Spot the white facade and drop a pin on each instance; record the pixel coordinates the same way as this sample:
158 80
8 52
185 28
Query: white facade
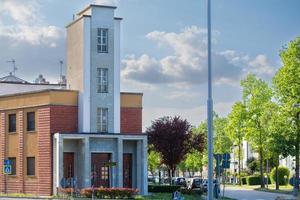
84 58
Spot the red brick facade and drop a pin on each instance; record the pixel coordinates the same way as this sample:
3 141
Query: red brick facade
131 120
51 119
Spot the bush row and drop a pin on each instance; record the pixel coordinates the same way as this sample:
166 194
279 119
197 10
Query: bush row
163 188
255 180
104 193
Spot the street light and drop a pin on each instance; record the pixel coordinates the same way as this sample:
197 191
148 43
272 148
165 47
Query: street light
209 108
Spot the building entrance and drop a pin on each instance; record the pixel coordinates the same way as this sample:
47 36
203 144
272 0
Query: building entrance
127 170
100 170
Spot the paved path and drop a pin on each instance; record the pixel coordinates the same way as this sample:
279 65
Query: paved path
249 194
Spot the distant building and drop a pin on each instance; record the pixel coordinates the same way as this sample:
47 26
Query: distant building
86 130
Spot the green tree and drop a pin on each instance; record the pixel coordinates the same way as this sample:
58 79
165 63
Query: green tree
256 95
222 142
286 83
234 129
154 161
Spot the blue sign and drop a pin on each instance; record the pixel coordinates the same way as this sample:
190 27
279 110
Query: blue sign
7 162
7 169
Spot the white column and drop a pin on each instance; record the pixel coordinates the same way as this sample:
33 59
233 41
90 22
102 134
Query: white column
139 166
117 75
120 163
59 159
87 163
144 167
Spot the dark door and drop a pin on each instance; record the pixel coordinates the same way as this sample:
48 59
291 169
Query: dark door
127 170
68 165
100 169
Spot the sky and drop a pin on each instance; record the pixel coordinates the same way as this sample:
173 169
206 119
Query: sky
163 47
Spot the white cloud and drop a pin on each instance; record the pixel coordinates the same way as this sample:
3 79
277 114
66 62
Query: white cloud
27 24
187 63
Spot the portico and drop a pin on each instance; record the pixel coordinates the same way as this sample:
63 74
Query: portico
102 160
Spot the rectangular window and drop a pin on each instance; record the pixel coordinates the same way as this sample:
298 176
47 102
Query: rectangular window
30 166
12 119
102 80
30 121
102 40
13 165
102 120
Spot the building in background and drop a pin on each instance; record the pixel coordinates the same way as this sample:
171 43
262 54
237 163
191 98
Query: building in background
86 130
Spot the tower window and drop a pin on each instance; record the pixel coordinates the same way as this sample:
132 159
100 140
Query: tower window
102 40
102 120
102 80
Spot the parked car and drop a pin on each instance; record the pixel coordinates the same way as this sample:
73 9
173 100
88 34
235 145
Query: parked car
179 181
196 183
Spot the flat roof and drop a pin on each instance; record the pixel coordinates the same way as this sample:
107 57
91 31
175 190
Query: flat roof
37 91
95 5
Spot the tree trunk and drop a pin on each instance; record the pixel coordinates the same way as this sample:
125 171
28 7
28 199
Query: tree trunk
170 176
239 150
297 152
277 175
262 181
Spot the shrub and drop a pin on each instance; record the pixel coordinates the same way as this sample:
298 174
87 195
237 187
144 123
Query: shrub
67 191
253 180
163 188
282 172
244 181
191 191
111 193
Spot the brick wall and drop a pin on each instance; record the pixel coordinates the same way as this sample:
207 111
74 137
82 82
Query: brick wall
2 150
64 119
131 120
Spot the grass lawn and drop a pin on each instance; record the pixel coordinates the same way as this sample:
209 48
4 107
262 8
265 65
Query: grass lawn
163 196
286 189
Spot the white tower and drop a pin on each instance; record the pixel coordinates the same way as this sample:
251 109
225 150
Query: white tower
93 68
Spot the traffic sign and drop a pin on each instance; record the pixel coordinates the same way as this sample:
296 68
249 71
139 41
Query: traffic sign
7 169
7 162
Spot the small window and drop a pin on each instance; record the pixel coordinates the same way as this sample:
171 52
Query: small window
102 80
102 40
30 166
30 121
102 120
13 165
12 123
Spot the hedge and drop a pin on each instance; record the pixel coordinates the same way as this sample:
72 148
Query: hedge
244 180
109 193
255 180
282 172
163 188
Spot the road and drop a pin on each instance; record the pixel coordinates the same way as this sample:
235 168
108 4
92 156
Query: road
249 194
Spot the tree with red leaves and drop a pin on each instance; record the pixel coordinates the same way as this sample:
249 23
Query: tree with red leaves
172 137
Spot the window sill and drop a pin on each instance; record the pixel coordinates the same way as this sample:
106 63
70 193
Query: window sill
31 176
31 132
12 176
12 133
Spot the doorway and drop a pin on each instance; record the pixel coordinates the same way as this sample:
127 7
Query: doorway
127 170
100 170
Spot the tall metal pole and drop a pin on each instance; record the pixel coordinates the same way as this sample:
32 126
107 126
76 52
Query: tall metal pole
209 108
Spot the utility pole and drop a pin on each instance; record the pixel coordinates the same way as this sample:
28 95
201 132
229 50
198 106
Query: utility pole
209 108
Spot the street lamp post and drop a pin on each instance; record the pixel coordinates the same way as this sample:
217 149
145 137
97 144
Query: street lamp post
209 108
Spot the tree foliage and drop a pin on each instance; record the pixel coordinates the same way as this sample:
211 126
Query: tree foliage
257 96
286 83
172 137
154 161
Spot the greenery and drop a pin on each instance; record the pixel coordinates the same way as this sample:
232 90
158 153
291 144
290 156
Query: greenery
163 188
283 175
234 129
286 85
154 161
253 180
244 180
252 164
164 196
109 193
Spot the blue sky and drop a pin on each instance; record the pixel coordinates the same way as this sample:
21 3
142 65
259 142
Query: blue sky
163 46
